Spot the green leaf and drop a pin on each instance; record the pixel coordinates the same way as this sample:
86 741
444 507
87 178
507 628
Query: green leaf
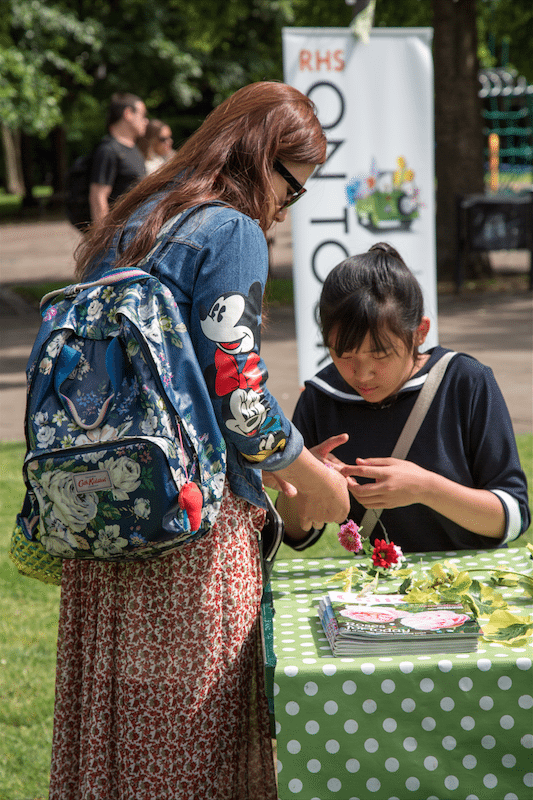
503 625
462 582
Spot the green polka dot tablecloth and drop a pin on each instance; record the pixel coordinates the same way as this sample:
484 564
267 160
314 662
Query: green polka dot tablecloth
439 727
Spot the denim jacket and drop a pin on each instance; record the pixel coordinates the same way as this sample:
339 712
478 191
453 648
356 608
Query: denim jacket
215 262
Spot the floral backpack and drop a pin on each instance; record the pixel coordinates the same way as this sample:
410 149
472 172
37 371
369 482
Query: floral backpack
120 463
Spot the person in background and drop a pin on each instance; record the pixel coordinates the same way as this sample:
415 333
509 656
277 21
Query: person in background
160 671
156 145
461 486
117 163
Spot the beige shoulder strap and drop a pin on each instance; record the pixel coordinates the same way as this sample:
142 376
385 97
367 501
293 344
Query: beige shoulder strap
411 428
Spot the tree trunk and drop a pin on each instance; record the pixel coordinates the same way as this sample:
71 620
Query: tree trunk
459 159
14 181
26 149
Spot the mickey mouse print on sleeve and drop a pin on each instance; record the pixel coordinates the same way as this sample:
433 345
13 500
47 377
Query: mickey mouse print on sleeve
237 376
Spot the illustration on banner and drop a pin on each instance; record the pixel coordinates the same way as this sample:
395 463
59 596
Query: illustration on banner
385 199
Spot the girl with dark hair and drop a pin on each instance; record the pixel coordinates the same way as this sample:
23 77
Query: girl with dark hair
461 485
160 690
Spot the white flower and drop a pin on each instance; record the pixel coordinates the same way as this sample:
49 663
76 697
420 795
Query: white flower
97 435
72 509
401 557
125 476
141 508
166 323
45 366
59 417
45 436
54 346
94 311
94 457
153 330
149 423
41 418
109 542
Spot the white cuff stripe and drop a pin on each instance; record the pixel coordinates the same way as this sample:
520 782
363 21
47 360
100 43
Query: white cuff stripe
514 518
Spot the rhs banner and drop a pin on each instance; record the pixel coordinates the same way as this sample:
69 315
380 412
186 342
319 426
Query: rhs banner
375 103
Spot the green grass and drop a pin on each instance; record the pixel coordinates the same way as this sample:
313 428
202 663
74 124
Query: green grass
28 635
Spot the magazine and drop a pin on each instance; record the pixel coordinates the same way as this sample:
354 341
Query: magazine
377 625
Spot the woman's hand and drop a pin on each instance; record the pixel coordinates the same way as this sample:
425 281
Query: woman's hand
323 450
322 495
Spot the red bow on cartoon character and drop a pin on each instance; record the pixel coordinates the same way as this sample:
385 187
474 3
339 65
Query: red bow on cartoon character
229 378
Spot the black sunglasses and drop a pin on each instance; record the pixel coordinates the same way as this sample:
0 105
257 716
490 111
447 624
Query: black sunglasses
295 185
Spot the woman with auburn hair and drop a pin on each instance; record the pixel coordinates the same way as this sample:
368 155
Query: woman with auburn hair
160 688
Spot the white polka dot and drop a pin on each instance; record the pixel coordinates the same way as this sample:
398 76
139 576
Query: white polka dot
523 663
389 725
449 743
332 746
525 701
428 723
295 786
510 796
334 785
406 667
369 706
373 785
293 746
408 705
528 779
465 684
447 704
484 664
468 723
371 745
331 707
527 741
509 761
488 742
507 722
490 780
312 727
351 726
431 763
469 797
388 686
314 765
486 702
310 688
505 683
392 764
349 687
353 765
445 665
426 685
292 708
278 727
367 668
469 762
309 660
412 784
410 744
451 782
329 669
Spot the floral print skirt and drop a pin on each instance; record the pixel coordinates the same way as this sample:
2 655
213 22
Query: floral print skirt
159 689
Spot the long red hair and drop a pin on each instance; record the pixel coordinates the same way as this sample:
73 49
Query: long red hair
229 158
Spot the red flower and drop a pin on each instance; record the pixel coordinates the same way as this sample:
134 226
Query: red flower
349 536
384 554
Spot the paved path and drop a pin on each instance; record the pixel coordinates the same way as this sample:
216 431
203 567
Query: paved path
495 328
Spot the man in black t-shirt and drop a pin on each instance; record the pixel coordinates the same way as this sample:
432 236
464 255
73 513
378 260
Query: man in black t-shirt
117 162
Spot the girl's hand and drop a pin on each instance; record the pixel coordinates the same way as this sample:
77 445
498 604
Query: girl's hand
277 483
396 482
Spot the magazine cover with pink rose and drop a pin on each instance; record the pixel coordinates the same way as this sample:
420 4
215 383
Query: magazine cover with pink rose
386 624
